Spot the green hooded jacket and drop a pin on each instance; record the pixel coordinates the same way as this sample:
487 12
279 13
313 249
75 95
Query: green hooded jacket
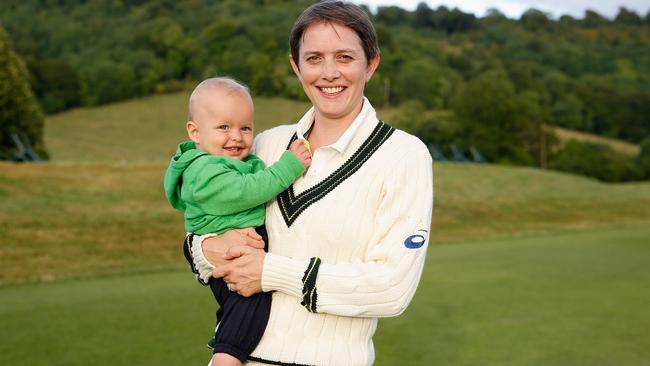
218 193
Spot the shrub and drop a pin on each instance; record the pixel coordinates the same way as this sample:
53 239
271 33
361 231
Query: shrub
595 160
415 119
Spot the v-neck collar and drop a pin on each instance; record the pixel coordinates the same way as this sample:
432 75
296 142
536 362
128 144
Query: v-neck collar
292 205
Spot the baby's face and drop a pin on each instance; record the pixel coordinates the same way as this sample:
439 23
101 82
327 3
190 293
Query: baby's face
224 122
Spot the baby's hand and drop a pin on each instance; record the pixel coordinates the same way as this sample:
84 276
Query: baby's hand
251 233
303 154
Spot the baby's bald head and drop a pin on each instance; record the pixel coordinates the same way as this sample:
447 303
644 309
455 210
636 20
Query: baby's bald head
202 93
221 118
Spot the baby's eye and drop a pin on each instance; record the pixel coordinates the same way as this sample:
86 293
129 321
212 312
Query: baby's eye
223 127
247 129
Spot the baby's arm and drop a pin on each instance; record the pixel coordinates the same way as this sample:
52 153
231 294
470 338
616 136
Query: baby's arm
222 190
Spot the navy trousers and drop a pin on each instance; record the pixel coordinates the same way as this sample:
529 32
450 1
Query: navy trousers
240 320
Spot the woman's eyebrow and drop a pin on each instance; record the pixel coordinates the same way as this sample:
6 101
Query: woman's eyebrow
343 50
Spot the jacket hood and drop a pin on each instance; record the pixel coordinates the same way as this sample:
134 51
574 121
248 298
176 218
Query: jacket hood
184 156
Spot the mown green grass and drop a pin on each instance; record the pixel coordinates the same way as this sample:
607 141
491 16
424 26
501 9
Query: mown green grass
570 299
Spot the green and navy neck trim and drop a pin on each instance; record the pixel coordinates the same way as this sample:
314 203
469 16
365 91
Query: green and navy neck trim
292 206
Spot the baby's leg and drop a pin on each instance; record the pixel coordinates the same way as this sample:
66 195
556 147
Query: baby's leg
224 359
241 320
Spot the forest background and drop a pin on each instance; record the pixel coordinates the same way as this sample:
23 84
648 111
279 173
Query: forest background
496 84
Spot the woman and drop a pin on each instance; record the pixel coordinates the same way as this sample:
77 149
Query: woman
347 241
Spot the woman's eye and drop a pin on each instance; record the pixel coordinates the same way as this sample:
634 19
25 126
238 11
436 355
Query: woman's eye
313 58
345 57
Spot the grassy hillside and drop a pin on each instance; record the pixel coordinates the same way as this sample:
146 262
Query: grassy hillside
141 130
148 129
99 208
80 219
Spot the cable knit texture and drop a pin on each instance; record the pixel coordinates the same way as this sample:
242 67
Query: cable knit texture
370 233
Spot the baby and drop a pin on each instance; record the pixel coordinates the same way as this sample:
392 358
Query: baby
220 186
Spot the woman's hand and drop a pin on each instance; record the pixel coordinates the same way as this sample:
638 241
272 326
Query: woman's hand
243 270
216 247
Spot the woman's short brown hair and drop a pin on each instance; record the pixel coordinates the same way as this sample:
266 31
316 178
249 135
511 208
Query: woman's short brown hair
340 12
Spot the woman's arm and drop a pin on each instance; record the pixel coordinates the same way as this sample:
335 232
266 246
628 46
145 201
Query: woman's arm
206 252
383 283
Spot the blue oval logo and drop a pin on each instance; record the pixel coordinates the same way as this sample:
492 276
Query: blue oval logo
415 241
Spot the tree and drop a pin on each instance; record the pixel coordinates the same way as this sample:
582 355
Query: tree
494 119
567 20
457 21
643 160
167 40
627 17
392 15
415 119
423 16
20 113
424 81
493 16
55 84
534 19
107 81
593 19
567 112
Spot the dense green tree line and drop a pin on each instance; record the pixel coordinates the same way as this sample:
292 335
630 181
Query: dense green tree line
502 79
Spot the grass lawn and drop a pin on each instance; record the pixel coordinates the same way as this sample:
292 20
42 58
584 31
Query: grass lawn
569 299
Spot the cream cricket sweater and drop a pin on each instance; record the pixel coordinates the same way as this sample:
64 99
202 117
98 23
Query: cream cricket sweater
347 242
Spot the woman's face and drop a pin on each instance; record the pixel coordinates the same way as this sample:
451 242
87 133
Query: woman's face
333 70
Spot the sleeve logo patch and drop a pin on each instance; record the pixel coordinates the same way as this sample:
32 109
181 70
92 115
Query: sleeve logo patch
416 240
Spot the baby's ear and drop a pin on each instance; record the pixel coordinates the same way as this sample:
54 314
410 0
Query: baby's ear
192 131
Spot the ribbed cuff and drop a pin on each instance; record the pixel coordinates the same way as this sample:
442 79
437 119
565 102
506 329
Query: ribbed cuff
283 274
201 264
309 291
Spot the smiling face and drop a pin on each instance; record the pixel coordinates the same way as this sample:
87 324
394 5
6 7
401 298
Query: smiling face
222 122
333 71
